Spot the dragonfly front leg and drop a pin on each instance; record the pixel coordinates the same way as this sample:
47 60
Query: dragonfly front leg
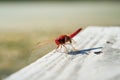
58 49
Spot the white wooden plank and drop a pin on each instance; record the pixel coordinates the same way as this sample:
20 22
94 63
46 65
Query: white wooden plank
55 66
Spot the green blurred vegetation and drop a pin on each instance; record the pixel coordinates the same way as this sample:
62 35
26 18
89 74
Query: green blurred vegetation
15 50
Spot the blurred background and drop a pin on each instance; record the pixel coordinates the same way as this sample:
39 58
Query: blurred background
23 23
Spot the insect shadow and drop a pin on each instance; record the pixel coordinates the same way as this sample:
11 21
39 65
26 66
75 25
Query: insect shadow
85 51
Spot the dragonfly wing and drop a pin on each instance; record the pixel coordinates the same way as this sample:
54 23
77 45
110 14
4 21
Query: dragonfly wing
41 49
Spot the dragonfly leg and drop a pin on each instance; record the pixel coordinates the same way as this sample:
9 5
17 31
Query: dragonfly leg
74 49
73 41
66 48
71 44
58 47
56 50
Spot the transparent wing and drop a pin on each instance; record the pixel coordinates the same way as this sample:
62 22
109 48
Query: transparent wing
40 49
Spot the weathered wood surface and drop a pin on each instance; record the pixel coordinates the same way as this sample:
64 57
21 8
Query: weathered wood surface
59 66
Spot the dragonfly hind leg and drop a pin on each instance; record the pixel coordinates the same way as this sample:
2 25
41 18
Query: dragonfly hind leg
66 48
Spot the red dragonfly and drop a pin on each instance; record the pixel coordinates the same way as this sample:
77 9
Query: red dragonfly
62 40
44 47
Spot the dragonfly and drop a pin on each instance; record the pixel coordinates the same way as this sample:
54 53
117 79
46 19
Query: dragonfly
61 41
41 48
